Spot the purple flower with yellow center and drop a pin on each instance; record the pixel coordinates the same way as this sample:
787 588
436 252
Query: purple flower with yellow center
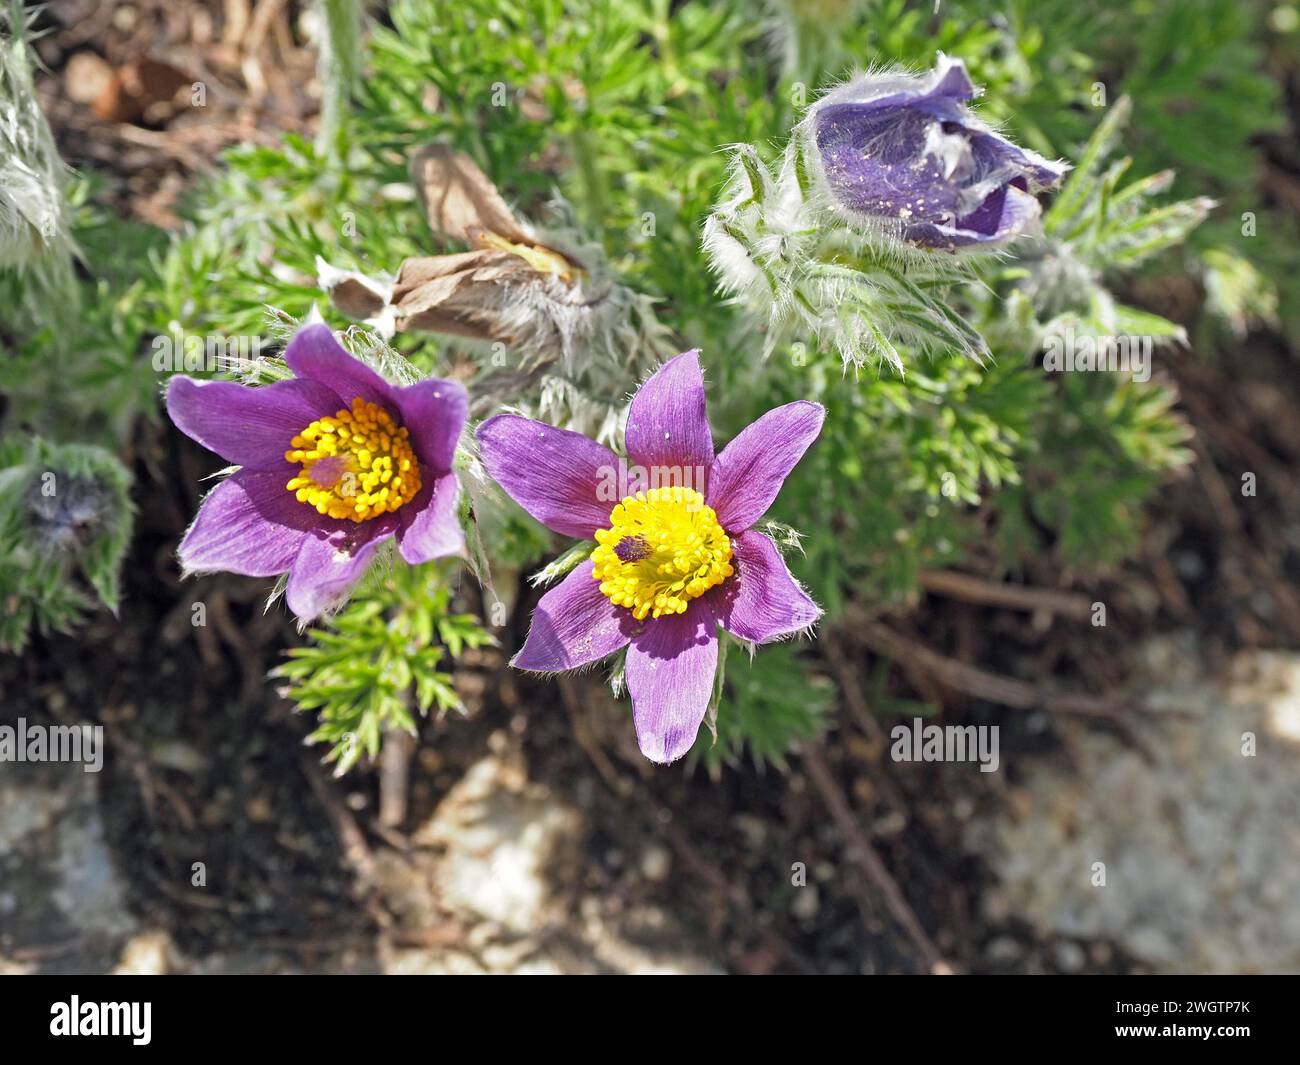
904 156
676 556
334 462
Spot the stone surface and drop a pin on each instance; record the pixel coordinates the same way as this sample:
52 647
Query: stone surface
499 832
1201 850
497 849
62 901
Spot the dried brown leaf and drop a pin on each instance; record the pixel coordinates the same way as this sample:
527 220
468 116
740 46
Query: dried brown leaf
460 201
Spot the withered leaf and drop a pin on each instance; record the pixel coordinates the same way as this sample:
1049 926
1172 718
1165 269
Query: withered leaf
357 299
454 293
460 200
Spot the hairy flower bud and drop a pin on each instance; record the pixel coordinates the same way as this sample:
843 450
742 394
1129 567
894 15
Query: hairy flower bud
35 236
67 520
901 156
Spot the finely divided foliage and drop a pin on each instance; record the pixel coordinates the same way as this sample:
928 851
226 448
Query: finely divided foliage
517 215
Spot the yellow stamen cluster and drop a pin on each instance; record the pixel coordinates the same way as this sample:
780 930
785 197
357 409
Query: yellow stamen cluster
356 465
663 548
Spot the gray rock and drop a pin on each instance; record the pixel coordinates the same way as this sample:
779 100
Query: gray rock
64 900
497 851
1201 851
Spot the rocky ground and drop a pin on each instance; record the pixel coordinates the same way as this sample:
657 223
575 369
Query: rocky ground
506 872
1200 851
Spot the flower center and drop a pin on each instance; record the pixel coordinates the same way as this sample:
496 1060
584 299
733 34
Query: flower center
663 548
356 465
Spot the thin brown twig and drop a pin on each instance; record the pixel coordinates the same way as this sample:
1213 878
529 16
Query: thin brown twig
971 589
732 896
854 698
263 17
570 697
983 684
1009 691
1217 492
352 841
395 776
151 786
38 952
199 899
860 711
356 851
860 851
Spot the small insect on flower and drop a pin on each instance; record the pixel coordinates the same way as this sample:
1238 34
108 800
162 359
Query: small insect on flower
673 560
902 157
335 461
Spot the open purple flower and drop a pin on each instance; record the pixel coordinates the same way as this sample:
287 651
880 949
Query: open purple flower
334 462
676 555
903 155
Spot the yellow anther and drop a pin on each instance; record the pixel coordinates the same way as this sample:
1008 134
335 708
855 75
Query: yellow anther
663 548
348 463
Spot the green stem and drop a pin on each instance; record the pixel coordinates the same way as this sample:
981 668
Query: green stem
584 155
340 69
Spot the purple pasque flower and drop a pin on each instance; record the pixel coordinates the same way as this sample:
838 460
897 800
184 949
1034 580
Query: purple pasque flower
676 555
334 461
903 155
